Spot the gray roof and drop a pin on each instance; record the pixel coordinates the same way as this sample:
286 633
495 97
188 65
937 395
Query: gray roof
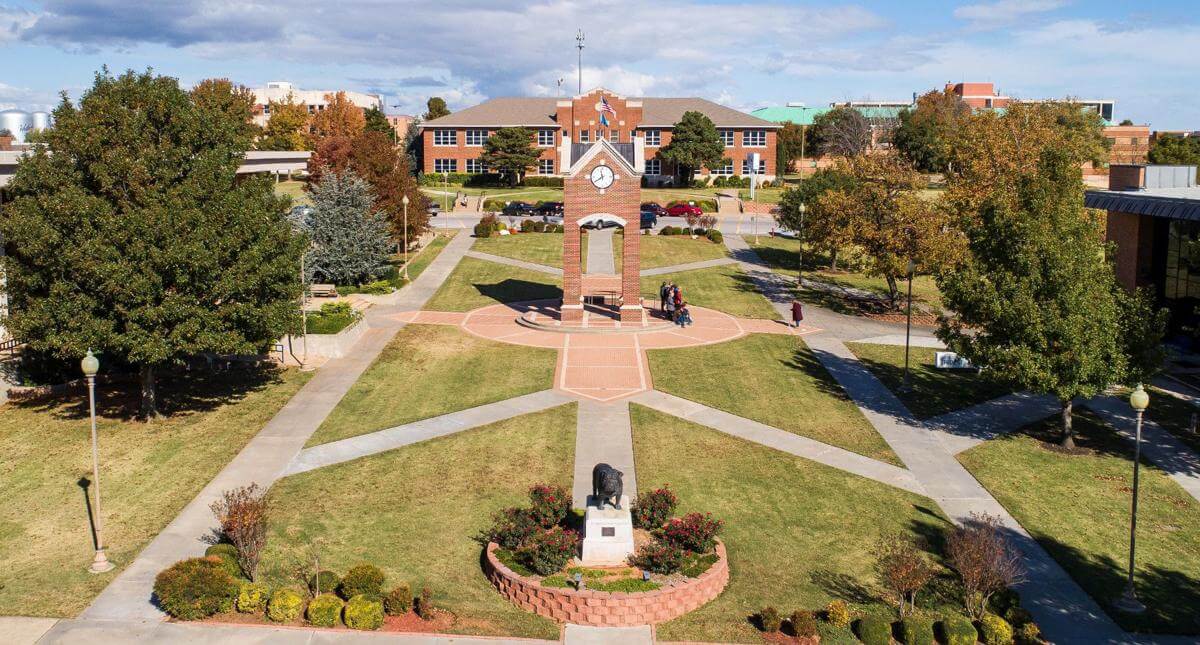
540 112
1171 203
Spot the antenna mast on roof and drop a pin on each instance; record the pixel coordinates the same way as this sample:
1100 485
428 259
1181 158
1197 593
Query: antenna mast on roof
579 44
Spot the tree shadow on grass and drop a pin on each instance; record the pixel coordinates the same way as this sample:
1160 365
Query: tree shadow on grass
844 587
804 360
935 392
180 392
513 290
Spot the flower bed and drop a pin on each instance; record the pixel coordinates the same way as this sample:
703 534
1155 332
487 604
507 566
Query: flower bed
608 608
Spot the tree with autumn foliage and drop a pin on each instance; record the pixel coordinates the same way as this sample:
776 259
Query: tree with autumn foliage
340 118
827 229
889 221
924 134
376 160
287 127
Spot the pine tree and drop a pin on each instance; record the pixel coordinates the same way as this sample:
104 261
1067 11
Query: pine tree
349 234
376 121
695 144
435 108
130 233
511 152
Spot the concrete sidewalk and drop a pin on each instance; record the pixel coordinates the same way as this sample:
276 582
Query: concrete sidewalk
263 460
964 429
603 435
600 252
92 632
688 266
1171 455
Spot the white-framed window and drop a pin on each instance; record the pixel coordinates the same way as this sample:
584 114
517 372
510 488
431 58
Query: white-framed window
654 166
476 166
445 137
445 165
754 138
762 166
653 137
545 138
545 166
614 136
726 137
726 169
476 137
267 108
585 136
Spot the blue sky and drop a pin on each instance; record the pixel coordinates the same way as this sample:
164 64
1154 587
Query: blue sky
744 54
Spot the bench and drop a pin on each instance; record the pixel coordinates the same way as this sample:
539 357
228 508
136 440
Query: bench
322 291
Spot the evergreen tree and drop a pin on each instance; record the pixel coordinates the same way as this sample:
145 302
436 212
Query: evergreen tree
511 152
1034 298
349 234
376 121
435 108
235 103
130 233
789 146
412 147
695 144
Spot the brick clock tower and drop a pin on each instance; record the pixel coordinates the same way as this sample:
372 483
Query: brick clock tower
602 186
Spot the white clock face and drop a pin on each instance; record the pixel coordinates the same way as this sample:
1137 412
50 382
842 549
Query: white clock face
602 176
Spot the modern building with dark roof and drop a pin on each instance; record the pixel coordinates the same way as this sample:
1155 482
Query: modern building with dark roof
454 143
1154 221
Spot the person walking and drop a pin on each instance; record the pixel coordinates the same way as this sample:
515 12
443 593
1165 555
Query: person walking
797 313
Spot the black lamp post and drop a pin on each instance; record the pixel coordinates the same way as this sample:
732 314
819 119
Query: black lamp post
907 386
1128 601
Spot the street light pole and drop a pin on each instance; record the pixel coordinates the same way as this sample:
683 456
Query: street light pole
800 262
90 365
1128 602
446 191
907 386
404 200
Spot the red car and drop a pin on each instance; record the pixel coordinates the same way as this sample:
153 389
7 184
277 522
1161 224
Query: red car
683 210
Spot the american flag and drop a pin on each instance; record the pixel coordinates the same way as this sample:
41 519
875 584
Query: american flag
605 110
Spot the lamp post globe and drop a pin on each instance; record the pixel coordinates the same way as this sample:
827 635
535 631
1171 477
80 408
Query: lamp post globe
89 365
1139 400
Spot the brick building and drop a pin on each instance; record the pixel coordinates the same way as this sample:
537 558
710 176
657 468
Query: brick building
454 143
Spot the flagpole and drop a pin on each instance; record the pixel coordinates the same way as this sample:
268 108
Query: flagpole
579 44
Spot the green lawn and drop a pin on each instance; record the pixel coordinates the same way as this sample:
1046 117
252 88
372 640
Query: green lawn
429 370
783 255
1077 507
414 511
149 472
771 379
479 283
539 248
668 250
934 391
798 533
660 195
295 190
1173 414
724 288
427 254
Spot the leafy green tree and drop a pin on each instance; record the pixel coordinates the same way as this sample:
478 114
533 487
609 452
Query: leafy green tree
234 102
827 229
131 233
789 146
695 144
841 132
511 152
377 122
287 127
923 136
1183 151
435 108
1036 303
349 234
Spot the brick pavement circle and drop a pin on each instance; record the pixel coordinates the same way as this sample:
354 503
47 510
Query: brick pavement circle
601 366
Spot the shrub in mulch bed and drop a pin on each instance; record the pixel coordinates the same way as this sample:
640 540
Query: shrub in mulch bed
651 509
195 588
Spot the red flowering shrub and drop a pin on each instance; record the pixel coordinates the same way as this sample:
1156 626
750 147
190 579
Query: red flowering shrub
549 505
658 557
548 551
650 510
693 532
511 527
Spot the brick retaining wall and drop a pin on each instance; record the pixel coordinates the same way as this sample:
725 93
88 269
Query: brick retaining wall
608 609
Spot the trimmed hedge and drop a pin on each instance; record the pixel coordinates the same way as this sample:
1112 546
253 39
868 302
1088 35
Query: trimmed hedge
873 630
398 601
364 579
804 624
958 630
324 611
252 597
917 630
715 236
195 588
658 556
995 630
539 181
838 614
285 606
770 620
228 556
363 612
328 580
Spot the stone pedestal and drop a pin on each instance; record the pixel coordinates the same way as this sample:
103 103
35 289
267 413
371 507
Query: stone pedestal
607 534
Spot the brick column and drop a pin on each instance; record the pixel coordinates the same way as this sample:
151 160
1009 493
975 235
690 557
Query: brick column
572 305
631 270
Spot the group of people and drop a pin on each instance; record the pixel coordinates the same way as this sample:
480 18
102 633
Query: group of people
671 301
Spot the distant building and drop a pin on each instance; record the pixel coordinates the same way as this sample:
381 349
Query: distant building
400 123
565 126
1154 221
314 100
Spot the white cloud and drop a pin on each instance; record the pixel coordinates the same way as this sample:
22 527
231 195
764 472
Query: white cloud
14 22
990 15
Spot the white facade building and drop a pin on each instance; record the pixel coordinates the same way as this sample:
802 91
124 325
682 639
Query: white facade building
315 100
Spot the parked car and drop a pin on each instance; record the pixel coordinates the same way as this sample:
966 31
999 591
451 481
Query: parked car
683 210
654 207
550 208
784 232
517 209
434 209
649 218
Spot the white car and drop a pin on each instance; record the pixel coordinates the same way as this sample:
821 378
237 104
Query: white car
784 232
